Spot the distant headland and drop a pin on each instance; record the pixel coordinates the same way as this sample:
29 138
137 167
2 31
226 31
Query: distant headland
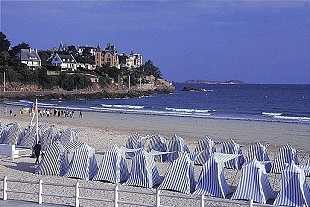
215 82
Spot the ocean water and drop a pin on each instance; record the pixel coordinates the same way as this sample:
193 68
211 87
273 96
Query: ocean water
277 103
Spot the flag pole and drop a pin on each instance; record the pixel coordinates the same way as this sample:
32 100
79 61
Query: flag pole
37 114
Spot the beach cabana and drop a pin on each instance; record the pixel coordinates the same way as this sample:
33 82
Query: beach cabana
259 152
143 172
231 147
54 161
294 188
207 147
285 155
177 145
133 142
156 143
12 134
49 136
180 176
68 135
113 167
254 184
30 137
83 164
211 180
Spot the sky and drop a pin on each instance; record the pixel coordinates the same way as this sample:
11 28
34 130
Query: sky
253 41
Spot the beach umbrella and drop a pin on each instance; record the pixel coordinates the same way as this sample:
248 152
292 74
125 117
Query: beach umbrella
83 164
207 147
231 147
54 161
259 152
254 184
211 180
180 176
294 188
143 172
176 144
285 155
12 134
113 167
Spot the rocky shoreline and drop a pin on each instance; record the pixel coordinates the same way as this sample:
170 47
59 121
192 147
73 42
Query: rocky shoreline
71 95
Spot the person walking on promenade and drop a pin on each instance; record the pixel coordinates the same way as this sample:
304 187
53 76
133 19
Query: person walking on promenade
37 152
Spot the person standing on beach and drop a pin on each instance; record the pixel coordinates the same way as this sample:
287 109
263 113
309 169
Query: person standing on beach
37 151
81 116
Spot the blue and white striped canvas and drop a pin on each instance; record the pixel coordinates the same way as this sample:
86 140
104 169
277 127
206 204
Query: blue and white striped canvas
180 176
286 155
231 147
143 172
68 135
133 142
294 188
211 181
113 167
175 144
259 152
49 136
254 183
207 147
156 143
30 137
53 161
12 134
83 164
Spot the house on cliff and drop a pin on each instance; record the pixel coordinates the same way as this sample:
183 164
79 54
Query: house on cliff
30 57
65 62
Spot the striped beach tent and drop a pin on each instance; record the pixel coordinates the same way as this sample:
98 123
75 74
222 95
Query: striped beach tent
294 188
68 135
285 155
113 167
211 180
49 136
175 144
143 172
259 152
156 143
180 176
83 164
30 137
207 147
254 184
133 142
54 161
12 134
231 147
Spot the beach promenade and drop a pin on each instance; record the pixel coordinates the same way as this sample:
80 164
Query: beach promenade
16 203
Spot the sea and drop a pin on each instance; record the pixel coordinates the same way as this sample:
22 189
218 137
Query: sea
253 102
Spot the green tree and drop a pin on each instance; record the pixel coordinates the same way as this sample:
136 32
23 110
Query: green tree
4 43
18 47
150 69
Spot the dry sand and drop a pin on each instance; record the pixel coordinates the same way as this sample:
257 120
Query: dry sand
102 130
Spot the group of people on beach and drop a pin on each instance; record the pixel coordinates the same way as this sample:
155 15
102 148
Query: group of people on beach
56 113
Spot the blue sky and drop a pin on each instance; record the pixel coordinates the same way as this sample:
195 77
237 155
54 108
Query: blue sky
253 41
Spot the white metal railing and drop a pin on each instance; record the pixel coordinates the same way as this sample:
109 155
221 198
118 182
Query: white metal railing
158 195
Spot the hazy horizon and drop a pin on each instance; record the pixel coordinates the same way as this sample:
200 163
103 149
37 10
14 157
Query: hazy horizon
253 41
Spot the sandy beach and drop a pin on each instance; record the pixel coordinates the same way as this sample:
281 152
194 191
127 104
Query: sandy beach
102 130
